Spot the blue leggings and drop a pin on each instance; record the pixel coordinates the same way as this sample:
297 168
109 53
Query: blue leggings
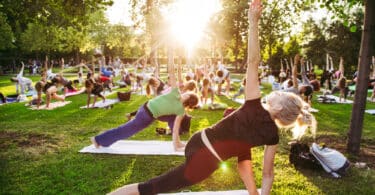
142 120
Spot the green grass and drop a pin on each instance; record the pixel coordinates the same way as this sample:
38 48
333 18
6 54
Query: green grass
39 151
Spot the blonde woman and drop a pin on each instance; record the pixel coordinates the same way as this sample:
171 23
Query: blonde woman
249 126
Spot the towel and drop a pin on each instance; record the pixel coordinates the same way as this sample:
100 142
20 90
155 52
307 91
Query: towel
101 104
336 99
135 147
230 192
52 105
372 111
75 92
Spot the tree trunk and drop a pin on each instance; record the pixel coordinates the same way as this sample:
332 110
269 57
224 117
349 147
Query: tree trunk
77 60
356 123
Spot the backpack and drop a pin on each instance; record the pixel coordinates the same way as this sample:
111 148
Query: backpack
301 157
123 96
331 160
326 100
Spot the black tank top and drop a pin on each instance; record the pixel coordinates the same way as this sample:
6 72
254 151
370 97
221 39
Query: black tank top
249 126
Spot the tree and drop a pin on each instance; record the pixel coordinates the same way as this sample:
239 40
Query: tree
276 23
344 43
360 98
57 24
365 53
230 29
315 41
150 15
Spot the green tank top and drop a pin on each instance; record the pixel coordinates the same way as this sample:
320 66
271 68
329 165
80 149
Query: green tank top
167 104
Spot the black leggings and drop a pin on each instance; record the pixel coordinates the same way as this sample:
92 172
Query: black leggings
200 163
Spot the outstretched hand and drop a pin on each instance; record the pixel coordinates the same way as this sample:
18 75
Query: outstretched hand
255 10
179 147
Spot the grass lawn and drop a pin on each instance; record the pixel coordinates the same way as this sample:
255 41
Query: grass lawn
39 151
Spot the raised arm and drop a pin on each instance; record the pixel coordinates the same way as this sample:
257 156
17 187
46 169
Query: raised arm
20 74
341 67
294 71
305 80
252 90
179 71
172 77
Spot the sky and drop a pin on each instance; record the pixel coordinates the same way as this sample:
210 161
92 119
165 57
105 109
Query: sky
119 12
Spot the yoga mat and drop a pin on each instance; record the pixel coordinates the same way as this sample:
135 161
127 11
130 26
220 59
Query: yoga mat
105 93
337 99
235 80
31 93
135 147
352 88
372 111
214 106
369 99
75 93
240 101
9 101
231 192
52 105
101 104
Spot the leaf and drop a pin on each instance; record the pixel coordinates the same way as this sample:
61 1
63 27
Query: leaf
353 29
346 23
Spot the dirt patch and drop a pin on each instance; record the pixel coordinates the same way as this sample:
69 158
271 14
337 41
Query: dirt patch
25 140
367 150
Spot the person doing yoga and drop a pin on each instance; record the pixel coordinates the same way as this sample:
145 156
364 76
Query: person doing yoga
158 108
49 87
249 126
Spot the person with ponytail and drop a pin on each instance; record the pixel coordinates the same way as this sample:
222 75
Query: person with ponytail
251 125
49 87
156 85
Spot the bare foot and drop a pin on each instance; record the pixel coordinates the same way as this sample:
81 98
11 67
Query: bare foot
128 116
93 141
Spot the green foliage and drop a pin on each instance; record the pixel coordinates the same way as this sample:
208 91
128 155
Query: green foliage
276 23
318 71
342 10
50 26
6 34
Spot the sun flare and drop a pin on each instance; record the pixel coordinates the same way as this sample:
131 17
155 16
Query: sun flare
188 18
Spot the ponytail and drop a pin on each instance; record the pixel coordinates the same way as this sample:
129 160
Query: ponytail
290 111
304 121
148 89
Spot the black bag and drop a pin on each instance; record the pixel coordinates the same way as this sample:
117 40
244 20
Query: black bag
123 96
301 157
